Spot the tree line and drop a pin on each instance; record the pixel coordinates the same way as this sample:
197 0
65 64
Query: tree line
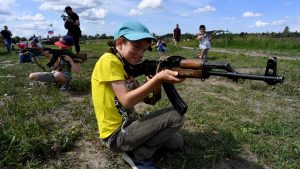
187 36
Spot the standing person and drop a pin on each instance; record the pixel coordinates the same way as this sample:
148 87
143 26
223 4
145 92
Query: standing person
114 98
204 42
6 34
62 68
176 35
73 26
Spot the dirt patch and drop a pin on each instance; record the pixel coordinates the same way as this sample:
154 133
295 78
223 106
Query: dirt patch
7 76
7 63
256 53
213 81
86 154
249 70
252 53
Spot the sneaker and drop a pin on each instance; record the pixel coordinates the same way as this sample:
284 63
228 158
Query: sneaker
64 88
144 164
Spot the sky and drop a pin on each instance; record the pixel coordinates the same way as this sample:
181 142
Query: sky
27 17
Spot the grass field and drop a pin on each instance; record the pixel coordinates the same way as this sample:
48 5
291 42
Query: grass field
245 124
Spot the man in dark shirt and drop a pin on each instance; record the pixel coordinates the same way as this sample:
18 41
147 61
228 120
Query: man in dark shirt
6 34
72 24
176 34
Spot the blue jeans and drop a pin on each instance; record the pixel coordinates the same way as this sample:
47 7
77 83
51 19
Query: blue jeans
153 131
7 43
25 57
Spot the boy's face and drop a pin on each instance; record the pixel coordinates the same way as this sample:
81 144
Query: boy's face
133 51
202 30
69 12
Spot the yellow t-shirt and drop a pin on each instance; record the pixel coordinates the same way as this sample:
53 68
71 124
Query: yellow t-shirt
107 69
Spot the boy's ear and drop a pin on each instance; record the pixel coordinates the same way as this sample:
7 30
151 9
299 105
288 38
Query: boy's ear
118 41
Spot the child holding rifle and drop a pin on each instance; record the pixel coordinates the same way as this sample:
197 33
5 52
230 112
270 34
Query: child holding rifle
114 98
63 67
204 39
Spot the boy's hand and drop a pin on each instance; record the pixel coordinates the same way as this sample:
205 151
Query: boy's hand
68 58
169 76
45 53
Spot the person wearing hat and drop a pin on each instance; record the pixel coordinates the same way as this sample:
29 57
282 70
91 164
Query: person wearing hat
114 98
63 67
27 56
34 43
73 26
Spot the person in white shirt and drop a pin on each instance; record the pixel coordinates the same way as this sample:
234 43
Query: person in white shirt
204 42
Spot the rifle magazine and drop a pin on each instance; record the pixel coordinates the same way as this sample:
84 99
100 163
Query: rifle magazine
175 98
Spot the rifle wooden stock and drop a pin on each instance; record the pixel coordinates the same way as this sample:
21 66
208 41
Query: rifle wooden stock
191 64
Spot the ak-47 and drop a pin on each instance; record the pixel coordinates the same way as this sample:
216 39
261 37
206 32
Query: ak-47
196 68
66 18
56 53
212 32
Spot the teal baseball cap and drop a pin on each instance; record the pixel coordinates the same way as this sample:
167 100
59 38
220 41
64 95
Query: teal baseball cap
133 30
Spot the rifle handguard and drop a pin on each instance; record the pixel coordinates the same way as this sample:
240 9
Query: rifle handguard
188 73
189 68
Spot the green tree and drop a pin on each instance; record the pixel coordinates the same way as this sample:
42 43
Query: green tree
286 31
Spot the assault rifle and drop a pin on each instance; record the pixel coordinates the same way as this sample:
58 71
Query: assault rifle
69 23
196 68
56 53
66 18
212 32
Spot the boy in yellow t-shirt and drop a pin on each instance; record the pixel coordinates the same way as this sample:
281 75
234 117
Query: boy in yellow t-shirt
113 99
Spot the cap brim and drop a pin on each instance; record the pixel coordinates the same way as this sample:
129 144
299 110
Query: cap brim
139 36
60 44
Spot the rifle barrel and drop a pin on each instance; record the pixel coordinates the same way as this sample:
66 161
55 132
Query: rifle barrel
235 75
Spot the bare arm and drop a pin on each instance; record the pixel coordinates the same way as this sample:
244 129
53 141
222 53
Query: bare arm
131 98
74 66
199 36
